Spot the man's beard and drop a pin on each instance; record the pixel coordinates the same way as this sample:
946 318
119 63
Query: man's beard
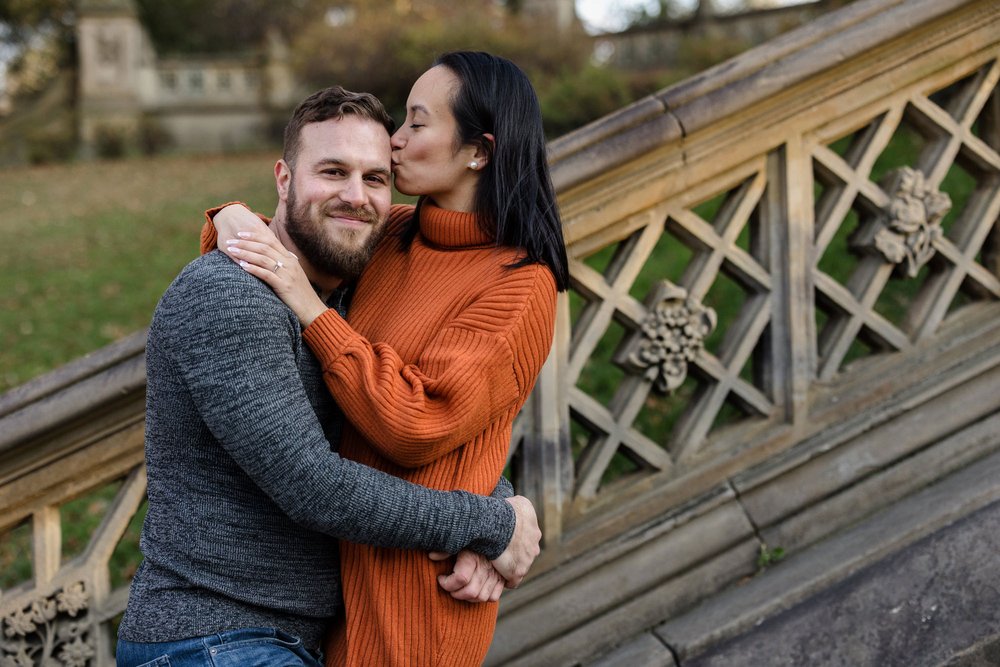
321 249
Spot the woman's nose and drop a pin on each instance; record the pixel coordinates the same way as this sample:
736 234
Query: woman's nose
396 140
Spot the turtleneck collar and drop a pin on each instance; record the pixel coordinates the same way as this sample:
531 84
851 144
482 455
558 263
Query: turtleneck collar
451 229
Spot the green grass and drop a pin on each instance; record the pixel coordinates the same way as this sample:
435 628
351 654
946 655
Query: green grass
89 248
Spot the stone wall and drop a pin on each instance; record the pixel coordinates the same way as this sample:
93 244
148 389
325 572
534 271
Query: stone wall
131 95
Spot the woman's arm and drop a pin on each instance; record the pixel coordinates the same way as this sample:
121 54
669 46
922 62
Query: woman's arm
481 365
476 368
226 221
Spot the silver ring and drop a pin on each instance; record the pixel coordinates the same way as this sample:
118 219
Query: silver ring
277 265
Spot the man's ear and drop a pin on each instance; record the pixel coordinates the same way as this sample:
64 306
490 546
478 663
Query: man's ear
282 177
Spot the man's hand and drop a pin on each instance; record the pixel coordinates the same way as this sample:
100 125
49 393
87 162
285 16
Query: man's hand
513 563
473 579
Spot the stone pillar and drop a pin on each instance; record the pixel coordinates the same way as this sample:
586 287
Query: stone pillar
281 86
111 46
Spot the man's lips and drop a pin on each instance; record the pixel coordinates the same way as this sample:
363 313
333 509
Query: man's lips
351 217
350 220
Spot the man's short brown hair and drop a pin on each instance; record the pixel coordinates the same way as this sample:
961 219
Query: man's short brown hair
332 102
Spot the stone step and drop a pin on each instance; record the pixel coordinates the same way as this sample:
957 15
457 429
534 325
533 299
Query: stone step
913 585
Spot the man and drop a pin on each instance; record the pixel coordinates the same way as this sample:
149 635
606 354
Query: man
245 495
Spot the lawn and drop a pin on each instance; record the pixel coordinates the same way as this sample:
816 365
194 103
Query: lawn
89 248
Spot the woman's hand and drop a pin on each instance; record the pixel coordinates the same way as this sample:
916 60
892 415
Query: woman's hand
473 578
267 259
235 218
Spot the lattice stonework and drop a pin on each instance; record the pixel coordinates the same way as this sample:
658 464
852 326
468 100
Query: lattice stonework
63 615
668 334
673 347
906 219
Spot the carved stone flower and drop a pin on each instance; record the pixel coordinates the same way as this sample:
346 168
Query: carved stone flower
69 630
670 337
20 658
72 599
76 653
20 624
43 611
911 222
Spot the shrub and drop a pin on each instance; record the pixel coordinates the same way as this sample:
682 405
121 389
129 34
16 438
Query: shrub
50 144
577 98
153 137
110 141
381 52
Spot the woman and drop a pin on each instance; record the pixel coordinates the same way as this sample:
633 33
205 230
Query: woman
449 326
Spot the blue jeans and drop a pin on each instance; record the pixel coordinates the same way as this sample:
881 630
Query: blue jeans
248 647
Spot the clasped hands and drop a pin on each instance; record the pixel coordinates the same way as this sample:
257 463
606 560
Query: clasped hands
477 579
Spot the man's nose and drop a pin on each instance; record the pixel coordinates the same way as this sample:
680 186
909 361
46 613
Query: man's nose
354 193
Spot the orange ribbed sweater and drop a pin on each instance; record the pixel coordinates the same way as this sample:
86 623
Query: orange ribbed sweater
444 345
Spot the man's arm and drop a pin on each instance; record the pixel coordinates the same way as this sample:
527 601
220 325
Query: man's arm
236 347
473 579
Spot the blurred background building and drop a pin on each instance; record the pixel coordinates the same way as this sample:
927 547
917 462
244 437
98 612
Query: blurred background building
209 104
106 78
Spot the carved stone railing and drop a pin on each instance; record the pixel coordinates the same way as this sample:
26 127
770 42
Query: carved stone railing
71 445
785 282
764 176
784 315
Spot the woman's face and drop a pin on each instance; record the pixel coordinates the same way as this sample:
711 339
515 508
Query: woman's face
426 159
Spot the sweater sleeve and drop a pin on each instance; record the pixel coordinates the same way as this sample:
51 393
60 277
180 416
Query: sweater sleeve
236 353
209 236
480 365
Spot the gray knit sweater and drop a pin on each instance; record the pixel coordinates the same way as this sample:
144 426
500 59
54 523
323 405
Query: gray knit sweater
246 497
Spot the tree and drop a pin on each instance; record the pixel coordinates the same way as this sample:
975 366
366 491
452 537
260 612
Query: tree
21 21
38 41
663 11
384 46
178 26
698 10
221 26
39 35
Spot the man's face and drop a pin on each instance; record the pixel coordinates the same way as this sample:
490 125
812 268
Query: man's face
338 195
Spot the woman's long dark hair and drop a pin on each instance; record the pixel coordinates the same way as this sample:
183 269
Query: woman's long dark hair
514 200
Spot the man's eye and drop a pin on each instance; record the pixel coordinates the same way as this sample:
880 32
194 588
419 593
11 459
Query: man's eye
414 126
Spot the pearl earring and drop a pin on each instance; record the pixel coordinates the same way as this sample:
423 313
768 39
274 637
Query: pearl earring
473 165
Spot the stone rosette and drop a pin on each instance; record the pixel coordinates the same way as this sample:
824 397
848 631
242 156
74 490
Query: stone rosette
669 339
910 223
